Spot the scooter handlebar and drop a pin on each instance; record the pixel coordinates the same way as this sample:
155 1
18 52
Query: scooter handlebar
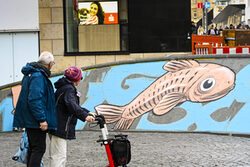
100 120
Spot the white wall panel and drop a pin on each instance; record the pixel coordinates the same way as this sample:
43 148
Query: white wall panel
16 49
25 50
19 15
6 57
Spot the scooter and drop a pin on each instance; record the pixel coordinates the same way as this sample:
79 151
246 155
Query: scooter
118 148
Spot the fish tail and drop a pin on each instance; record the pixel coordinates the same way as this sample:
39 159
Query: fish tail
111 113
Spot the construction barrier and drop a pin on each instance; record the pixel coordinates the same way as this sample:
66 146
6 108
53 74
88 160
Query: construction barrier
206 44
231 50
203 43
203 49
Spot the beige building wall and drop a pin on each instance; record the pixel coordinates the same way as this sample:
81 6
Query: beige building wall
52 39
197 14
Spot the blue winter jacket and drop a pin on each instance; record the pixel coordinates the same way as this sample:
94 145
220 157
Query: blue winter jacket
36 102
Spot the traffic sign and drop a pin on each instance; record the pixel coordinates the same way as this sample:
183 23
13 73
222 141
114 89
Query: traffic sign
207 5
199 5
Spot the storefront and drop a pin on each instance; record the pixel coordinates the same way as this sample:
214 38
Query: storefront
125 26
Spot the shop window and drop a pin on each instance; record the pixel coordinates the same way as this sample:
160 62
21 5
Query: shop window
95 26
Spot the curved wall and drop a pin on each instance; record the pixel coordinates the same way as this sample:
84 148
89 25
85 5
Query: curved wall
162 94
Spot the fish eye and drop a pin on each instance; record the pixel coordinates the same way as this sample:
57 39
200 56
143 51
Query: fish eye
207 84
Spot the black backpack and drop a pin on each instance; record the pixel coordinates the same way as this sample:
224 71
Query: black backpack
121 150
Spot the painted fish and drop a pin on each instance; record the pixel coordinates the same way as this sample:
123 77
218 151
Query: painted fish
186 80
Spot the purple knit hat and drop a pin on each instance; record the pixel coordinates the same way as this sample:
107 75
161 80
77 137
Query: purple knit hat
73 73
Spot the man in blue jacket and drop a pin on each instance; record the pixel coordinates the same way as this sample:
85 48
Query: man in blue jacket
36 109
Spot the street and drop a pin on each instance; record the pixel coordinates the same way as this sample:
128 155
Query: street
147 149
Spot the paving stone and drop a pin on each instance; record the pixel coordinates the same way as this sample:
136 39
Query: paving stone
148 150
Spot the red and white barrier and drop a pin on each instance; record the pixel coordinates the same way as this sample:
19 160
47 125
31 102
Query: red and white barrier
231 50
202 51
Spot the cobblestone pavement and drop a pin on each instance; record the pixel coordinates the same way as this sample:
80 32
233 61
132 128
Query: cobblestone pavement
148 149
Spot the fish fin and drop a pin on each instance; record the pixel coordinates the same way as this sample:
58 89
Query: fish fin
178 65
123 124
167 103
111 113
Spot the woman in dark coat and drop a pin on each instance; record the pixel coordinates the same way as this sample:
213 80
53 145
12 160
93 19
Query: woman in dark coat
68 111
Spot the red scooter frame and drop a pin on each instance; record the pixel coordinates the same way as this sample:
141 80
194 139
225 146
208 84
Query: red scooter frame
106 142
118 148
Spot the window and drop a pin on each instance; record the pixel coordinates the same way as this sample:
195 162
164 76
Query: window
159 26
221 3
220 9
95 26
195 14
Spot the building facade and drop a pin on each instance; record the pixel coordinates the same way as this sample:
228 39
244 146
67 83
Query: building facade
197 11
142 29
126 29
19 37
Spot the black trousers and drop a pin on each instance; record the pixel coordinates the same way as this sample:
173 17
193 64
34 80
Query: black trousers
37 146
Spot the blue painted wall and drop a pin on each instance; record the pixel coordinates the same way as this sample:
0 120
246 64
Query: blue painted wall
119 85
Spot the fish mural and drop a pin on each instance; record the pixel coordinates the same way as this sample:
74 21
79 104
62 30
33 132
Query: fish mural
15 94
185 80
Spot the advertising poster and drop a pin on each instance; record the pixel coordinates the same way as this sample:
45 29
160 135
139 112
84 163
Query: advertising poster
101 13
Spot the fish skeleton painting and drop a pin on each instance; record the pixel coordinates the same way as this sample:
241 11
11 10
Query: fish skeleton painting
185 80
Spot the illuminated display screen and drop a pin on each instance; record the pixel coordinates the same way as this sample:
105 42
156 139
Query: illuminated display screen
98 12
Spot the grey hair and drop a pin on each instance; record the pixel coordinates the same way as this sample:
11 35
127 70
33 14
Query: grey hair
45 58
